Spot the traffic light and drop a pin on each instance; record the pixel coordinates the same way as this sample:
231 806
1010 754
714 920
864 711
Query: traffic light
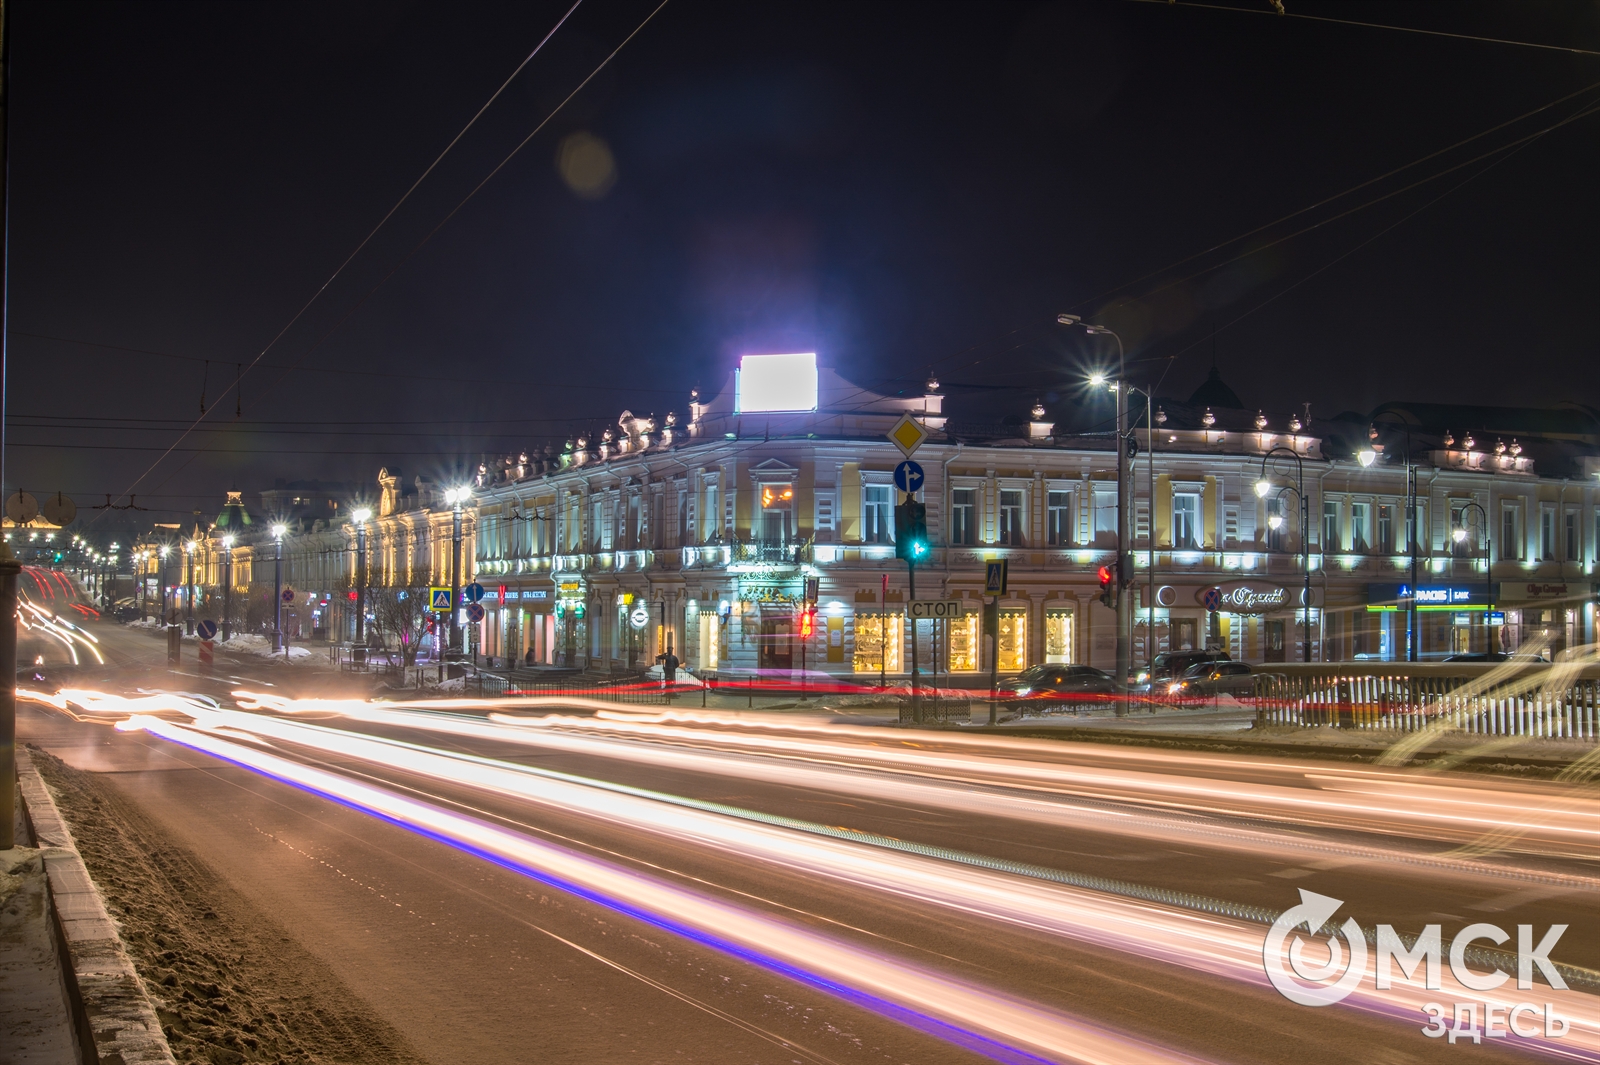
808 623
911 531
1108 586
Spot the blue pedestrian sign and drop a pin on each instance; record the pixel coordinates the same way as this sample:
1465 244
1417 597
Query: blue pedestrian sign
439 599
473 593
908 477
206 630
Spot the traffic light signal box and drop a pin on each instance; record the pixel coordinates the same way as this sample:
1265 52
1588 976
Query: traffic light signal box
911 531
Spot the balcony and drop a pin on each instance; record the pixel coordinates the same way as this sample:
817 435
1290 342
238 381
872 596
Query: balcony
773 552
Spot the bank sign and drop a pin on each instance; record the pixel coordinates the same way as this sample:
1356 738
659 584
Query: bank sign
1429 596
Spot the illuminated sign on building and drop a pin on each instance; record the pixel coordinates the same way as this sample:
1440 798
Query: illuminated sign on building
776 383
1428 596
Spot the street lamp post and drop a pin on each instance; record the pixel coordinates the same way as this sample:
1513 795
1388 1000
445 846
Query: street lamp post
277 588
163 554
1459 535
227 588
455 497
1124 557
1263 488
188 588
361 515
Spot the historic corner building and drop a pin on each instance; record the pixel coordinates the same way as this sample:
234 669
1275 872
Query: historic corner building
698 535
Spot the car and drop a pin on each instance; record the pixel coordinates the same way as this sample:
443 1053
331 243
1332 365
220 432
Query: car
1170 665
1498 656
1057 688
1206 680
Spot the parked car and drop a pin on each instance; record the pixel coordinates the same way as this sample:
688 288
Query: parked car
1059 688
1207 680
1498 656
1170 665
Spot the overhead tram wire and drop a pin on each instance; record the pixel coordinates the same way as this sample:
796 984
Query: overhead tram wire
384 220
1375 26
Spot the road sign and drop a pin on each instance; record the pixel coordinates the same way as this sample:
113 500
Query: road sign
908 477
813 586
907 435
58 509
288 595
473 593
206 630
475 612
439 600
22 508
994 577
1211 599
933 608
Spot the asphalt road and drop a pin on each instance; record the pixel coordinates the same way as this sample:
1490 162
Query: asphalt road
1068 881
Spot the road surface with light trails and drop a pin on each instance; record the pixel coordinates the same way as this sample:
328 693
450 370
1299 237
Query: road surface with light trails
522 882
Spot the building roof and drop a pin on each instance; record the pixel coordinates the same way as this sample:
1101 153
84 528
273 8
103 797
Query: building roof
1214 393
234 517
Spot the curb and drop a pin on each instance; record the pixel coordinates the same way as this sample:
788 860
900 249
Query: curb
117 1024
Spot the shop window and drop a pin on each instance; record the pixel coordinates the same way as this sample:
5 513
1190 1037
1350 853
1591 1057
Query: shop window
964 643
872 653
1012 646
1058 633
1185 634
1186 521
1276 649
1060 519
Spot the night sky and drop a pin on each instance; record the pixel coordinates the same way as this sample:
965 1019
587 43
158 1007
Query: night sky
898 187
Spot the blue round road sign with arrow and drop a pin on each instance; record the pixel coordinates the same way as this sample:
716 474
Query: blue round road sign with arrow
206 630
908 476
473 593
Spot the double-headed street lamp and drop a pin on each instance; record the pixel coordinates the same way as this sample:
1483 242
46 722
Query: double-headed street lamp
1275 520
1459 535
360 516
277 587
456 497
227 588
1124 557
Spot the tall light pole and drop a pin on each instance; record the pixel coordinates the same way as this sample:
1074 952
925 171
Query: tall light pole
163 554
277 587
455 497
227 587
1124 556
1263 489
360 516
188 588
1459 535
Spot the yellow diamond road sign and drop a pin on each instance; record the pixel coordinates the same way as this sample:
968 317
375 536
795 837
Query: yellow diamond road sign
907 434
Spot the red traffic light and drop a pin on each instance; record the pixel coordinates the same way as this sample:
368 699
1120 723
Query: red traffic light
1106 576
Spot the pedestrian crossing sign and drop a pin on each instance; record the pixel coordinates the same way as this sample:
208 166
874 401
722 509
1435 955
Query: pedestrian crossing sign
439 600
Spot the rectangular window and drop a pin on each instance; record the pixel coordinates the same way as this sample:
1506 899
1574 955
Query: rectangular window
964 643
1185 521
1330 526
963 518
1385 542
1104 517
1277 522
1060 519
1012 646
824 510
1574 549
1510 533
1547 534
1011 517
1361 526
633 534
877 514
711 527
873 653
1058 636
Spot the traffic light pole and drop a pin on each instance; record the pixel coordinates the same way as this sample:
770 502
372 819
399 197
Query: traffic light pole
911 595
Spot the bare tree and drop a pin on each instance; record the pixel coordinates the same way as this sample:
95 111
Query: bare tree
399 618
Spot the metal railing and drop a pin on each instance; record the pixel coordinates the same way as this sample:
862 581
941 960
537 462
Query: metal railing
1534 700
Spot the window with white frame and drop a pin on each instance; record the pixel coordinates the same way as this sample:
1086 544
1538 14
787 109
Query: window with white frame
1103 515
964 516
1510 531
1547 534
877 514
1058 524
1277 507
1330 525
1385 537
1186 521
1574 549
1011 517
824 508
1360 526
711 526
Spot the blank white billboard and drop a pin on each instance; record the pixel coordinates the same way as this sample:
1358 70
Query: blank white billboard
777 383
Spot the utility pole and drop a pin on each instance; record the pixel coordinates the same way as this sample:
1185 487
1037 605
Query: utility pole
188 588
10 568
359 650
277 588
227 588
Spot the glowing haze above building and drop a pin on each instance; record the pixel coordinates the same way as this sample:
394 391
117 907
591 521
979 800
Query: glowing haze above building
776 383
